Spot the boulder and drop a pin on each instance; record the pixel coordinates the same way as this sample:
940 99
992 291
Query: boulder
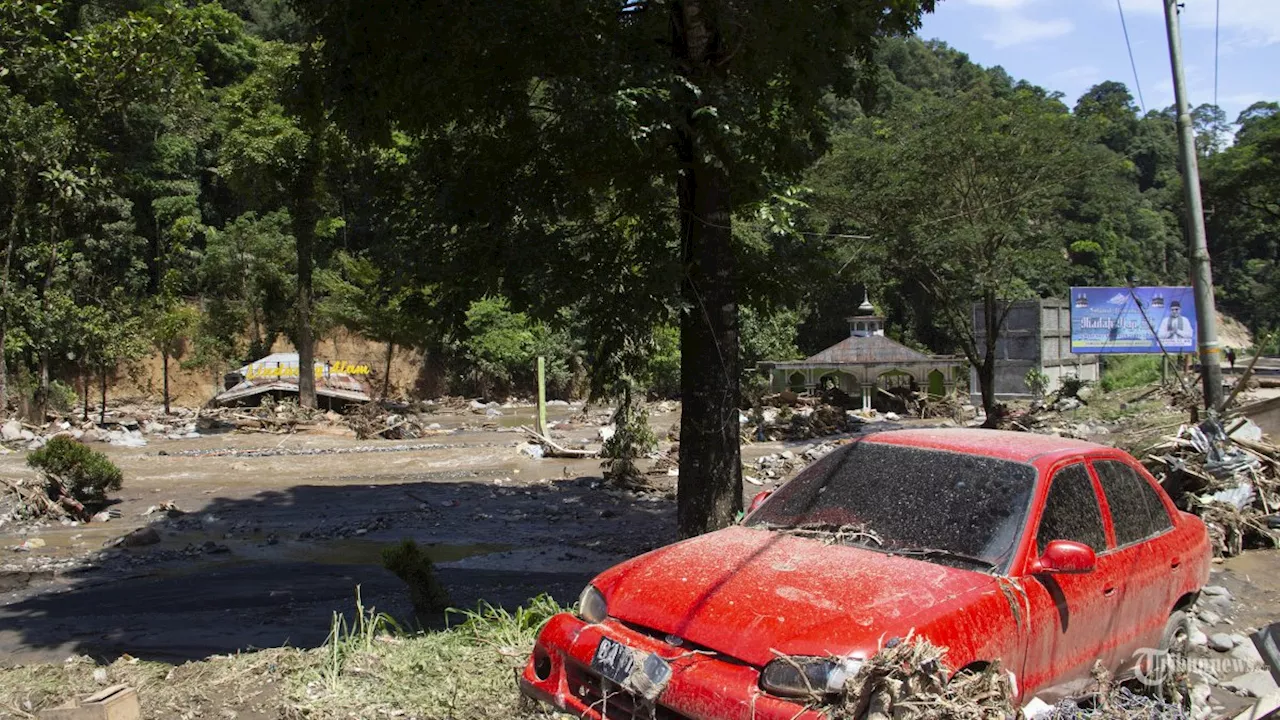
1245 651
1221 642
1209 617
1255 684
11 430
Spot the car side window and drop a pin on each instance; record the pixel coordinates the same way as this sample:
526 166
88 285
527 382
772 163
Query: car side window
1136 510
1071 511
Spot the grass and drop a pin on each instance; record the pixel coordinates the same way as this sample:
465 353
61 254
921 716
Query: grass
368 668
1122 372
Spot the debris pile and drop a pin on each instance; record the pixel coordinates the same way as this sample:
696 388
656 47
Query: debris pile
909 680
373 420
778 466
1229 476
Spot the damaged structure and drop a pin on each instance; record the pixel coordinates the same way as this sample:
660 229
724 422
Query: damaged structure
864 363
1036 336
276 376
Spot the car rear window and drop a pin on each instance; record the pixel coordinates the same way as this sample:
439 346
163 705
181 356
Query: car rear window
1136 510
909 499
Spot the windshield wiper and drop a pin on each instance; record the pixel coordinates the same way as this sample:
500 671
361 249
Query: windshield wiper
943 554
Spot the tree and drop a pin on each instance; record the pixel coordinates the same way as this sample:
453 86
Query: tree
703 105
964 192
360 297
171 326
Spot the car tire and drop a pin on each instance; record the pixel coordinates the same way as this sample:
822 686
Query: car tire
1176 636
1176 644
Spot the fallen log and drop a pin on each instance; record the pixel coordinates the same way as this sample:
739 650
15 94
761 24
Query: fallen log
551 448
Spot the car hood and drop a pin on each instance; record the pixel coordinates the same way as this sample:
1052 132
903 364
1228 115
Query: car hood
751 593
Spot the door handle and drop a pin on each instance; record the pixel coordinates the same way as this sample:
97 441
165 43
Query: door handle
1175 564
1109 591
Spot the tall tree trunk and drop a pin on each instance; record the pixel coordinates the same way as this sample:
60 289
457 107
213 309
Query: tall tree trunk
710 486
102 386
386 376
987 368
165 356
40 406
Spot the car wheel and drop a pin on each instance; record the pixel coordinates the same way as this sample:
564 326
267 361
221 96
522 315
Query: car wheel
1175 643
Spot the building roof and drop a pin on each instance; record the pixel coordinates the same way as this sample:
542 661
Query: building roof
256 378
872 349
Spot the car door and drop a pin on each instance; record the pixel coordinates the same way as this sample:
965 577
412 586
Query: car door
1141 523
1069 616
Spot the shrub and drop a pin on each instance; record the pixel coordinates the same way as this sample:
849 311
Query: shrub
631 440
1037 382
74 469
62 397
411 564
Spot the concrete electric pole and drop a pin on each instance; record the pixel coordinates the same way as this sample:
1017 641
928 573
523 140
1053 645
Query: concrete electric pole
1201 275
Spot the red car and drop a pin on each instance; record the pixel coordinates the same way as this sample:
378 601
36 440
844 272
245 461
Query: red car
1041 552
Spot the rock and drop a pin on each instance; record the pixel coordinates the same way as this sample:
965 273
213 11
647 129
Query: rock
533 450
1220 604
787 455
1209 617
138 538
1084 393
892 416
127 423
1196 636
1221 642
1215 591
1245 651
1067 405
11 430
156 428
26 435
100 676
91 435
103 516
30 544
606 432
1255 684
557 403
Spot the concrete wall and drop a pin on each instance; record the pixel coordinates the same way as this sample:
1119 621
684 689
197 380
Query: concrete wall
1037 334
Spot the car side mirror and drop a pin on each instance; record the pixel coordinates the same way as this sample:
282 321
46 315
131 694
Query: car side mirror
758 500
1065 557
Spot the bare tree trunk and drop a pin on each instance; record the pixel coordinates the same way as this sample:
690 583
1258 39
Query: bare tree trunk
386 377
102 386
164 354
710 485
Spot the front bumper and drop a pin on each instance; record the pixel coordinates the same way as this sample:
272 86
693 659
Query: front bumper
703 686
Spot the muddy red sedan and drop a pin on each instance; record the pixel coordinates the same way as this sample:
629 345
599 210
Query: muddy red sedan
1042 553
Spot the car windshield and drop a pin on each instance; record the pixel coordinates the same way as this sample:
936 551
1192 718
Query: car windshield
940 506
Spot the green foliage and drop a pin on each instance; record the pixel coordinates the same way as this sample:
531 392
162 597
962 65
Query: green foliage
82 473
662 368
1037 382
501 349
1121 372
62 397
1071 385
414 567
632 439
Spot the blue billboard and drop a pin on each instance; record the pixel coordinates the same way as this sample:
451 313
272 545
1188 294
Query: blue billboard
1133 320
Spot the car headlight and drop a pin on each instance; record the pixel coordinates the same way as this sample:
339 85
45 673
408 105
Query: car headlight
807 676
592 606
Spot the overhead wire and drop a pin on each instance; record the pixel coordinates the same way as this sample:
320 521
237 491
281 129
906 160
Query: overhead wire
1136 82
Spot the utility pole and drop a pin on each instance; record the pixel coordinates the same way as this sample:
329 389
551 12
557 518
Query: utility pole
1201 276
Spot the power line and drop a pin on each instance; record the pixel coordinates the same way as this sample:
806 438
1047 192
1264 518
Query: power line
1136 83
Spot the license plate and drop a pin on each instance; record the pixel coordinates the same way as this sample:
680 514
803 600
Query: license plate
643 674
613 660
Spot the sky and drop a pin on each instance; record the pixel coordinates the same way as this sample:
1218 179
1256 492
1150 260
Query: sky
1071 45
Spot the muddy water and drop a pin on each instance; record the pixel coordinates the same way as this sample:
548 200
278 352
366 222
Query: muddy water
267 548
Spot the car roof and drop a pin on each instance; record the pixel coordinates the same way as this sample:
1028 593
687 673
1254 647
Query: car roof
1002 444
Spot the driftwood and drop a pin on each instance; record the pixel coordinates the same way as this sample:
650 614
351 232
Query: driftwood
551 448
38 502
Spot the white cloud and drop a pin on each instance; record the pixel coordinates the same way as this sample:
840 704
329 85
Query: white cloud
1013 28
1077 74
